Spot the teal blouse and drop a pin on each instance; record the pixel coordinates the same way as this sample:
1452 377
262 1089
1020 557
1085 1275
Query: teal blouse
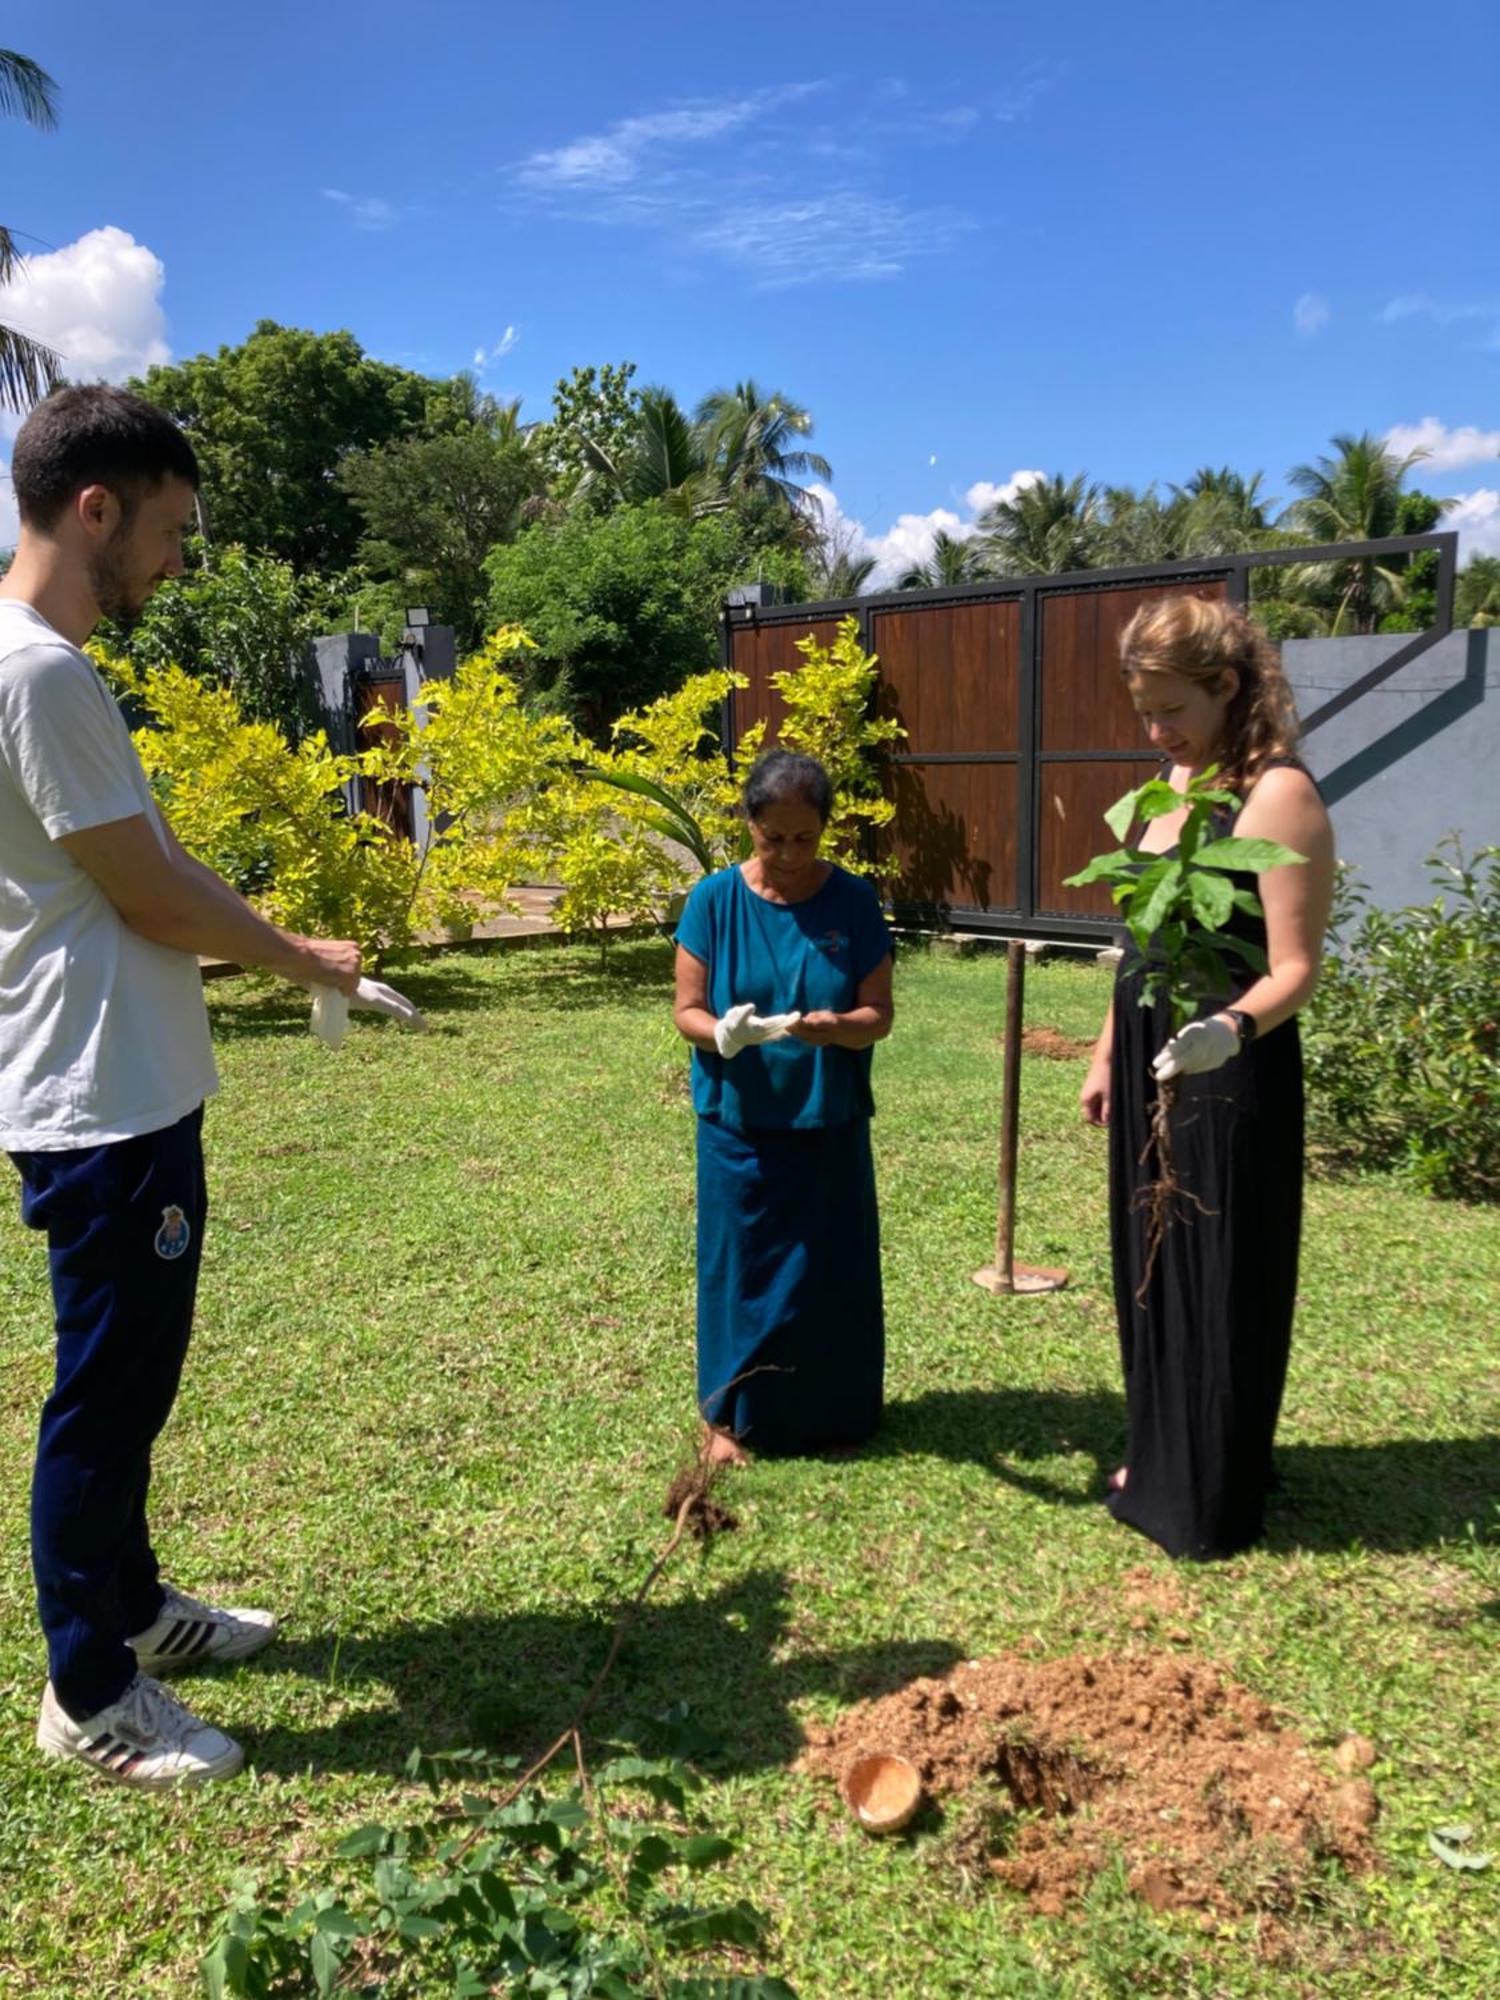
807 957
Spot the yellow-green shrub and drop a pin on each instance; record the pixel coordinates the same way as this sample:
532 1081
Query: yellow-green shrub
830 715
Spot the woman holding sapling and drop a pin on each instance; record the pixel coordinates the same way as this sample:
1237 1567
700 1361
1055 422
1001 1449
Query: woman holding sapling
1205 1298
783 988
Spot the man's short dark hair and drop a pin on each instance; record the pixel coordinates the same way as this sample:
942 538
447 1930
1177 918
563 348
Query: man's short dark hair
95 435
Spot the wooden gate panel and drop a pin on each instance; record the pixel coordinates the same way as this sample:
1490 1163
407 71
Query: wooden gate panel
1084 703
383 694
757 652
1071 802
954 836
951 675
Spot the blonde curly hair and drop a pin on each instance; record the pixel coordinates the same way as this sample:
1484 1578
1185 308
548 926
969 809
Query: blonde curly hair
1198 637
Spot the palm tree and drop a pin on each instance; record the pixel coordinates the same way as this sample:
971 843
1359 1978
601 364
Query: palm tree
28 369
845 576
752 442
1048 527
1476 600
952 561
663 457
1221 513
1136 527
1353 497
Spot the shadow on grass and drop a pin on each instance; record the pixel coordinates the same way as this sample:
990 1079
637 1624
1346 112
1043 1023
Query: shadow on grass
1398 1496
510 1683
442 988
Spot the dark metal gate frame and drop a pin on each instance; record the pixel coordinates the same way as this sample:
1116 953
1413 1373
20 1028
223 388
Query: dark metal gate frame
1233 571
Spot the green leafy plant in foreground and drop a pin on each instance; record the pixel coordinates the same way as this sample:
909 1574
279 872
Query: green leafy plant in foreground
1403 1037
1178 907
561 1893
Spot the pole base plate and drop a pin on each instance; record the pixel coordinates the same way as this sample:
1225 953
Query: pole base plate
1026 1280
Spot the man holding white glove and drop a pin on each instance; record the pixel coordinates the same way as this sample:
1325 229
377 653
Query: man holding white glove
105 1061
330 1009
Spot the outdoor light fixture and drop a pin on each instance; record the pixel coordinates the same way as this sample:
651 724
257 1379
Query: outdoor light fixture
417 619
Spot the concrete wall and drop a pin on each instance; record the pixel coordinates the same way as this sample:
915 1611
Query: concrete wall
1412 760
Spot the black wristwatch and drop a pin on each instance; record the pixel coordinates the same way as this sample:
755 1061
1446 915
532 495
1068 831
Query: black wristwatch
1244 1024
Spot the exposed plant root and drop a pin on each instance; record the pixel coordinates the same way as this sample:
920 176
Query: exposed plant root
696 1484
1163 1197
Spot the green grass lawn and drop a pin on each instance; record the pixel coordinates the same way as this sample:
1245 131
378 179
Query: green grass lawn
442 1374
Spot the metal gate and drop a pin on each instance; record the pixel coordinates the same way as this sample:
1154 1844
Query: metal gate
1019 729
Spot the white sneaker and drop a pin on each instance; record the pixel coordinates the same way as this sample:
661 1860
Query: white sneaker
188 1634
147 1738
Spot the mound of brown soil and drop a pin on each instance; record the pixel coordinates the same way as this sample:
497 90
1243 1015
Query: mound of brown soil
1061 1764
1052 1042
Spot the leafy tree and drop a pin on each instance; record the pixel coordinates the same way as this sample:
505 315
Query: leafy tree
273 419
953 560
593 410
239 621
1047 527
28 369
753 443
625 606
1477 597
434 507
1417 514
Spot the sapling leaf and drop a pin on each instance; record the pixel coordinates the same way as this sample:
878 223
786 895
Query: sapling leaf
1103 867
1252 855
1212 897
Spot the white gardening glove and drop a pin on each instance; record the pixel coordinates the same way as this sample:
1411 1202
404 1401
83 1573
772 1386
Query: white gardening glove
374 998
1202 1046
743 1028
330 1009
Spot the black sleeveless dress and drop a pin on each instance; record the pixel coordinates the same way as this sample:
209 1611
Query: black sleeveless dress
1205 1349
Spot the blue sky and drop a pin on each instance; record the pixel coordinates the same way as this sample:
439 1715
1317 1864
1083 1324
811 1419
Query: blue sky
973 242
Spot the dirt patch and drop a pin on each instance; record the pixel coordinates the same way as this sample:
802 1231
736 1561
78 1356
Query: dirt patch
1054 1044
1052 1767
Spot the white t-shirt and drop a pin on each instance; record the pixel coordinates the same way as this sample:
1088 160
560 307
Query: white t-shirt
103 1034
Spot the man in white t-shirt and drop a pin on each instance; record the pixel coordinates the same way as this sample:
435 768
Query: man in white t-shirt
104 1065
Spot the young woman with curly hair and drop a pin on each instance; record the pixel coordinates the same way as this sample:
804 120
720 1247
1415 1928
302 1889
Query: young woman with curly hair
1206 1337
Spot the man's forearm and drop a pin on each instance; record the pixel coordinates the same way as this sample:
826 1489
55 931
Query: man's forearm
202 914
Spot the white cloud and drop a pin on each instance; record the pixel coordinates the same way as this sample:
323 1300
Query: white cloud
1476 516
984 493
1033 82
1421 305
1310 314
1466 445
908 541
486 357
97 302
368 211
843 235
612 159
733 180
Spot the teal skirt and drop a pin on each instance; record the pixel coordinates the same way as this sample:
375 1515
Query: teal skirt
791 1323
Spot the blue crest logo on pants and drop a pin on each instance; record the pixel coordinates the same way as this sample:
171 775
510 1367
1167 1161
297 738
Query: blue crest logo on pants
174 1235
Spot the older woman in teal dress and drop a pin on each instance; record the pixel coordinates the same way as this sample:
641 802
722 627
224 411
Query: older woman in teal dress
783 988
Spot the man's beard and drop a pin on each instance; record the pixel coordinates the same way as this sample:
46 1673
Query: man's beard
111 591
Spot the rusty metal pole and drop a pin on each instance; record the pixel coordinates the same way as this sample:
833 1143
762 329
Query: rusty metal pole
1005 1275
1010 1113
